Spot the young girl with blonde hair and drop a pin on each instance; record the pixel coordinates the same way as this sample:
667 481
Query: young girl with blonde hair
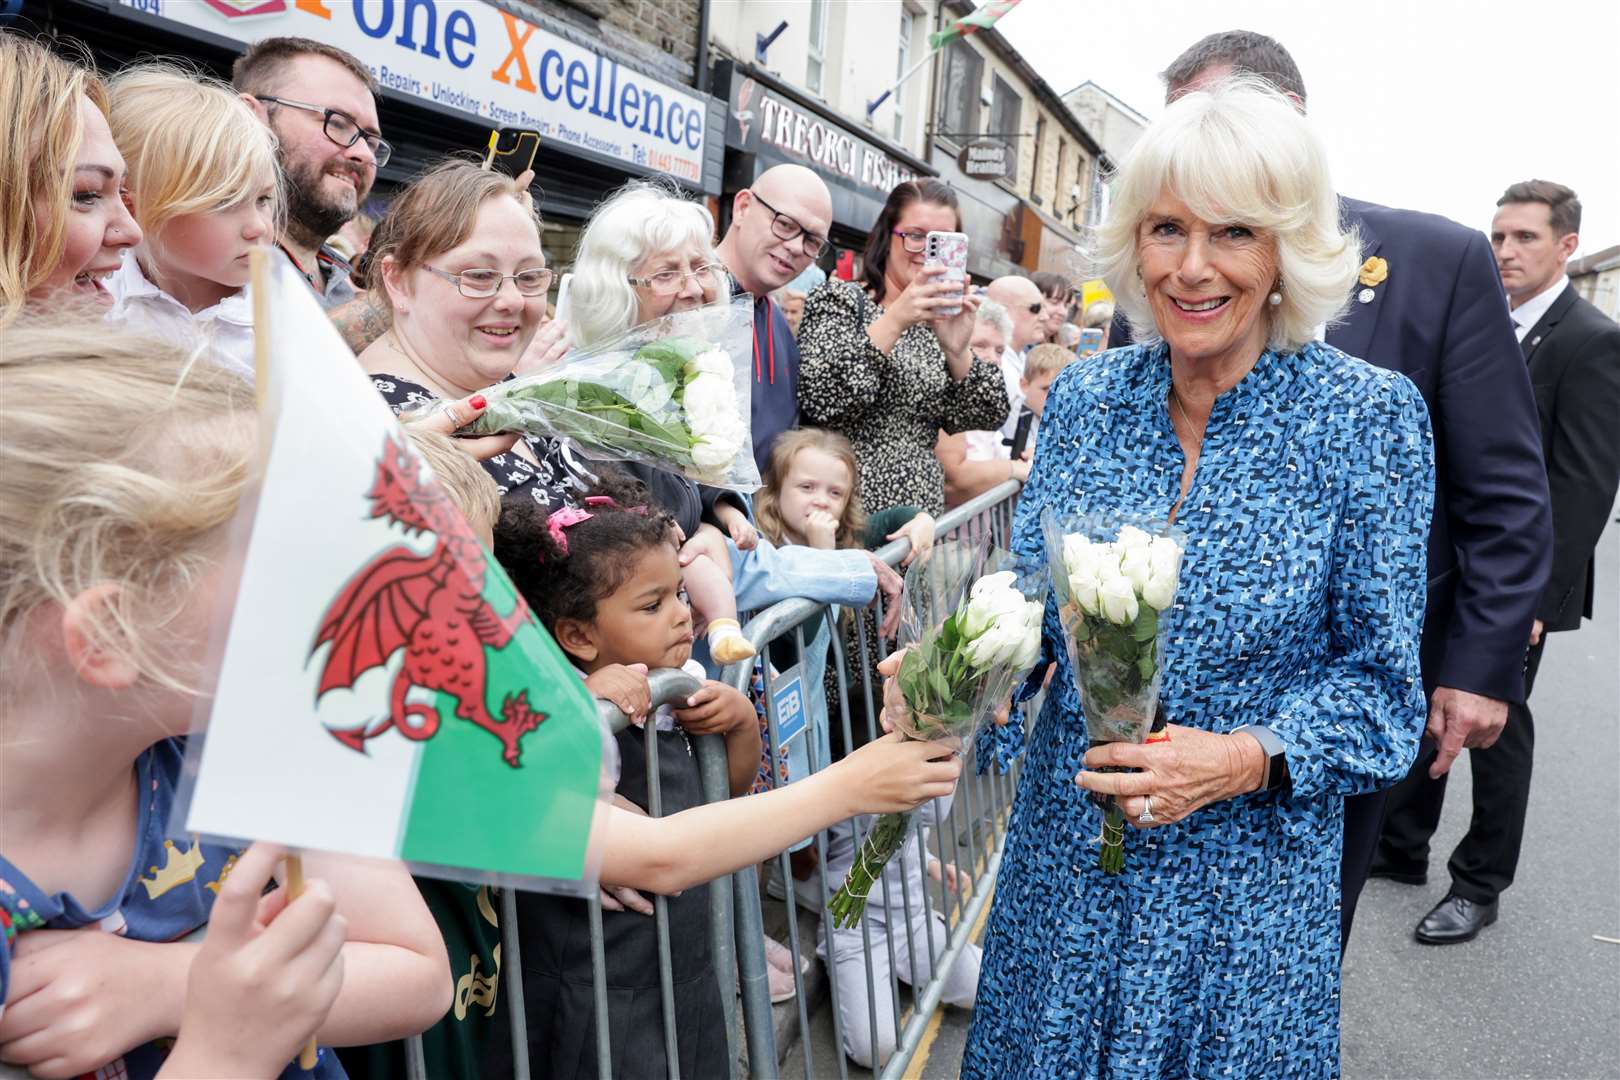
205 188
121 468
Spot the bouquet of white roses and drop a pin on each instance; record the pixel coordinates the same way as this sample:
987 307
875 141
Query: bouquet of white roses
1113 576
672 393
954 675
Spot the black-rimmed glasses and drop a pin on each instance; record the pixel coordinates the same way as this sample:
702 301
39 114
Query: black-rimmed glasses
482 284
785 228
339 127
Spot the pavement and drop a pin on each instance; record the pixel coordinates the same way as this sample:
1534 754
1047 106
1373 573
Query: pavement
1536 996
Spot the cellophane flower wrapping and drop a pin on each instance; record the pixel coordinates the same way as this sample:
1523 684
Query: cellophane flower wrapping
674 393
971 622
1114 575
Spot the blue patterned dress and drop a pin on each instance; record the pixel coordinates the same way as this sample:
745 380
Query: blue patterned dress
1216 952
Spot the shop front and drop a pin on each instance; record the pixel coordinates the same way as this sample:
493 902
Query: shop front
449 73
770 123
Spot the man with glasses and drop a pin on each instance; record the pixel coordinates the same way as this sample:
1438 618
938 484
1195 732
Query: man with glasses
321 103
778 227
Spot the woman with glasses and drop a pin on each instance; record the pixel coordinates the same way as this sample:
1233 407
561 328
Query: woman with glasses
459 271
883 364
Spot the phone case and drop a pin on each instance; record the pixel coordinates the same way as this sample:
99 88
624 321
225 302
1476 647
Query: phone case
950 250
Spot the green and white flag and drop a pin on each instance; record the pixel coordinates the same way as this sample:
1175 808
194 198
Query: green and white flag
383 690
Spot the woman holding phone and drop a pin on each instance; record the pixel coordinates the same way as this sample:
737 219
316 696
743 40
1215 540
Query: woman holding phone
883 364
886 359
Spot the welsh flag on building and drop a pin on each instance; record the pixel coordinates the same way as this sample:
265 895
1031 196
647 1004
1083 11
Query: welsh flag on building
384 691
979 19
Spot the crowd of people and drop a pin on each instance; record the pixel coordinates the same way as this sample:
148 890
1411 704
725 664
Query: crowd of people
1388 503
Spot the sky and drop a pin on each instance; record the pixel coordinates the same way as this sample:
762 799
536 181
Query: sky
1434 105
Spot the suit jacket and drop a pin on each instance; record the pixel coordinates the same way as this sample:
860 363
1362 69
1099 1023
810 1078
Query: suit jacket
1574 357
1441 319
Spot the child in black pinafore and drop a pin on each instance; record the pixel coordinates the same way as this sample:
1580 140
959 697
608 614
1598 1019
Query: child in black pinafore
605 581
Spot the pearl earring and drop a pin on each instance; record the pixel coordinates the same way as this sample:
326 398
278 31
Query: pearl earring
1275 298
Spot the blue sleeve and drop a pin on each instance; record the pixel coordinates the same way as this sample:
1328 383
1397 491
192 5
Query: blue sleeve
1355 727
769 574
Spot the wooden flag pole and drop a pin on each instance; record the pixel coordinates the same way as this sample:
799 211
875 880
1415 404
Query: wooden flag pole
259 280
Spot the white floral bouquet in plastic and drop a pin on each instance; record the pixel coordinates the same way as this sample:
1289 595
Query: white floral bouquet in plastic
1114 575
674 393
955 674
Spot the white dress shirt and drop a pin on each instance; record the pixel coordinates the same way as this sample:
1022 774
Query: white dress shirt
1530 312
224 332
988 445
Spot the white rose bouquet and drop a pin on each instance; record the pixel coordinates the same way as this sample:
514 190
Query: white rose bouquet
1113 577
954 675
673 393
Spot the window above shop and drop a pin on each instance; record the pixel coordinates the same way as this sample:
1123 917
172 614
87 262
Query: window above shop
815 66
959 97
1006 110
902 63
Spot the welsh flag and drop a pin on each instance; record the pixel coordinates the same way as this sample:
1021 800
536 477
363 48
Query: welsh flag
383 690
979 19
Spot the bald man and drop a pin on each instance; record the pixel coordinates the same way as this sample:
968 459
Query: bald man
778 227
1026 308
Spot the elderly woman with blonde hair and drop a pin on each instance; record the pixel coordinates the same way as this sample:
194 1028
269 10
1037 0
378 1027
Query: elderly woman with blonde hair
1302 478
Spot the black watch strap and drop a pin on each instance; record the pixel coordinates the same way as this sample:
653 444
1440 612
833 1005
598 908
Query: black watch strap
1276 774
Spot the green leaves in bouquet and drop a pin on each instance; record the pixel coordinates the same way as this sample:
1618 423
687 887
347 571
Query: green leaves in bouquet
1146 626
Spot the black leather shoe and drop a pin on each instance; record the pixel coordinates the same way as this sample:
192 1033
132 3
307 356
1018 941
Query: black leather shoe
1389 871
1455 919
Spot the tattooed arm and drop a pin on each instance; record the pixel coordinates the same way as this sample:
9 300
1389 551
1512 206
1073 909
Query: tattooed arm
360 322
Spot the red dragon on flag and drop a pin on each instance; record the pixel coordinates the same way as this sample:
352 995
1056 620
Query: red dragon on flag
432 606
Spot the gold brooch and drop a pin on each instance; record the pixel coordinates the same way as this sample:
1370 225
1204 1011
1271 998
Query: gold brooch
1373 271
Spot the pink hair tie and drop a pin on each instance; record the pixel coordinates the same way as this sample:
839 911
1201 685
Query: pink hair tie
562 519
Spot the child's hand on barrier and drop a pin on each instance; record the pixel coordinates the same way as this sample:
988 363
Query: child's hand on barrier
625 686
895 774
890 587
738 527
716 709
624 898
265 977
920 531
950 875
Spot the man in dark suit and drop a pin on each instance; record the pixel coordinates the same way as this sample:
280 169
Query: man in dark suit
1573 353
1429 306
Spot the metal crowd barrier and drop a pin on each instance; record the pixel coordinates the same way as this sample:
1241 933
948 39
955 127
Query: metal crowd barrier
968 835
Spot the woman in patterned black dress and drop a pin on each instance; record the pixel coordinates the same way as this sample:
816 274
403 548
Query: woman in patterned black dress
879 366
445 340
1304 481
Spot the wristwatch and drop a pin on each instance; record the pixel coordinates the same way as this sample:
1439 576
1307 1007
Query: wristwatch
1275 776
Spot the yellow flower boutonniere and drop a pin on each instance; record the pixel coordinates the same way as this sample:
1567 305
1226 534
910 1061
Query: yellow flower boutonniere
1373 272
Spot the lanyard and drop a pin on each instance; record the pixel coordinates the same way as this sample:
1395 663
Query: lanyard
318 281
770 345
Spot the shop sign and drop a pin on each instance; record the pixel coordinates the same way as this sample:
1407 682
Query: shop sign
985 159
762 119
484 61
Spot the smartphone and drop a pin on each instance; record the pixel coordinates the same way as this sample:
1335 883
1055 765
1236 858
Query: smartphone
1091 339
512 150
948 249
